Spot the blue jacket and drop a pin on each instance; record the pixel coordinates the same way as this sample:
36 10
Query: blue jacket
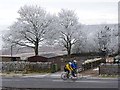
74 66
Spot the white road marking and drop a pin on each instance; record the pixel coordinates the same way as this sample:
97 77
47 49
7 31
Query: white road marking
12 80
36 76
78 81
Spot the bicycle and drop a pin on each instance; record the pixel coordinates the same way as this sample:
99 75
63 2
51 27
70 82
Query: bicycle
64 76
78 76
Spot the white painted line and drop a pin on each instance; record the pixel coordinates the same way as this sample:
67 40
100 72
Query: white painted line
37 75
79 81
55 75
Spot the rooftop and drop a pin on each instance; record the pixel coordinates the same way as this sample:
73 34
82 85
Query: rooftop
24 56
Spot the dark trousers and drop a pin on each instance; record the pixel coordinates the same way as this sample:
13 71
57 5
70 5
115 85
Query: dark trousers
73 73
68 72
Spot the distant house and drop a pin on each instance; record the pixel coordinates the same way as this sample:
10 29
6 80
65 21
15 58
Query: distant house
37 59
8 58
54 58
46 57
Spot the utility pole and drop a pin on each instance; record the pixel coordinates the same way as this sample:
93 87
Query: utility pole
11 49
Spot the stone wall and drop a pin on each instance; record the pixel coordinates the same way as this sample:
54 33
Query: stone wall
92 63
25 66
109 69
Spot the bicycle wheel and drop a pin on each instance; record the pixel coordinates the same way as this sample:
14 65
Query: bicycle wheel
74 78
64 76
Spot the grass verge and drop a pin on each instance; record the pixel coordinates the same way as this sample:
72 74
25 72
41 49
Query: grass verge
109 76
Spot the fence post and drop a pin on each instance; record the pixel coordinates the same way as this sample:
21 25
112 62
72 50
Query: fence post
99 69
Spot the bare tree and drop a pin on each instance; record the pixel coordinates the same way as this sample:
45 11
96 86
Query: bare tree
104 39
31 27
69 29
80 45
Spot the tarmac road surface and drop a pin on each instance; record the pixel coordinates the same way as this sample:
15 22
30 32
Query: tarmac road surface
35 82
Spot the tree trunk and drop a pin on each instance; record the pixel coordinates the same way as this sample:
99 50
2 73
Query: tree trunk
69 52
36 47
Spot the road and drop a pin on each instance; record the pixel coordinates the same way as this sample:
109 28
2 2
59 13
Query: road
28 82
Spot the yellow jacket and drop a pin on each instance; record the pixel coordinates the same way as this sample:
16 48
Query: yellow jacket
67 66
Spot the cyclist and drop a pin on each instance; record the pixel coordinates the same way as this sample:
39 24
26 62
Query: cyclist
68 69
74 66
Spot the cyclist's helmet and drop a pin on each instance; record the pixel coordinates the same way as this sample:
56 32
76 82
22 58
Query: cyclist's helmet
74 61
70 63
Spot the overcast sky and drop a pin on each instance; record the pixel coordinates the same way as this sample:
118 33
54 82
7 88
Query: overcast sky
88 11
